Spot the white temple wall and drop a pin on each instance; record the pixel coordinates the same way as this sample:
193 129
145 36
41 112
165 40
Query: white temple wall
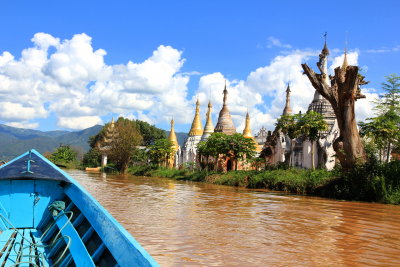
190 149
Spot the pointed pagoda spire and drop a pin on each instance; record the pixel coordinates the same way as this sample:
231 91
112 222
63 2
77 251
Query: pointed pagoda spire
225 95
287 110
323 66
225 123
112 123
209 127
172 136
325 50
197 127
247 130
345 63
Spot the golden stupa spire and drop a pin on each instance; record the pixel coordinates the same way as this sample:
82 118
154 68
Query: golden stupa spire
197 127
112 123
172 136
345 63
247 130
209 128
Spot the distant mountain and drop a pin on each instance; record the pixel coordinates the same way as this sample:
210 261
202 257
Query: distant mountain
180 136
15 141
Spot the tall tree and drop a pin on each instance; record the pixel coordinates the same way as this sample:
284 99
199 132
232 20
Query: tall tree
161 151
390 99
342 92
384 130
149 132
287 124
310 125
124 144
240 148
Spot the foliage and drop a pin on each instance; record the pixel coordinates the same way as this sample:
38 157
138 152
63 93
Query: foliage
288 124
311 124
92 158
64 156
391 98
161 151
124 144
384 128
236 146
149 132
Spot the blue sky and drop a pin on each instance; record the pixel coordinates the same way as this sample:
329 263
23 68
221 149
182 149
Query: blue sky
256 46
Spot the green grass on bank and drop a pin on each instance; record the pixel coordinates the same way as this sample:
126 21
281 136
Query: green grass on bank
369 182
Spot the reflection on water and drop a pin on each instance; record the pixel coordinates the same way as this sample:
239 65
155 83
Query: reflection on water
193 224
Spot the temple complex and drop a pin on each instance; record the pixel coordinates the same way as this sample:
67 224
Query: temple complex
280 147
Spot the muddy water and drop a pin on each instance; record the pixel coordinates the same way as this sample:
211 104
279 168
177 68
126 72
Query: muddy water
192 224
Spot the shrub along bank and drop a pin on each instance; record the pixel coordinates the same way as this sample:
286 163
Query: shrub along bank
369 182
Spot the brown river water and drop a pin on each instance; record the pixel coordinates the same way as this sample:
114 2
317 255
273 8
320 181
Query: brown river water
196 224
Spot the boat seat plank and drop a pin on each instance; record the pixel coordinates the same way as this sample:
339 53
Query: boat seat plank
77 248
4 236
36 238
12 256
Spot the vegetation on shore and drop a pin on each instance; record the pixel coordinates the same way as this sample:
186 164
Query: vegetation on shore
373 181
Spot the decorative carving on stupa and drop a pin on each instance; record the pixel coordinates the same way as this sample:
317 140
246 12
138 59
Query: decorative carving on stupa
209 127
104 145
225 123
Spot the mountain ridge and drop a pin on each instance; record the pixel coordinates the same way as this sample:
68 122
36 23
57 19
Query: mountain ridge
15 141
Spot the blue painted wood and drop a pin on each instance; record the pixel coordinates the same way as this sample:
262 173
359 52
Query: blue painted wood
96 255
125 249
21 215
87 235
13 254
78 220
66 261
77 248
36 236
5 192
46 192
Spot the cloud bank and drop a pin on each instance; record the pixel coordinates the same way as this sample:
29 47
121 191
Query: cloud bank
71 80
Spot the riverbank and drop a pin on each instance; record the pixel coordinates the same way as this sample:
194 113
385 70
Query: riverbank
369 182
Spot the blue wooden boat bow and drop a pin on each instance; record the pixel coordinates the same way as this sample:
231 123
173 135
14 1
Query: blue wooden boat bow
48 219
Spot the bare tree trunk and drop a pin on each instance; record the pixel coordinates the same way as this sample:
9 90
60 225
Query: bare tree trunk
312 156
388 153
342 93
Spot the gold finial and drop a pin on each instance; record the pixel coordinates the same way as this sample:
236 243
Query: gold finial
197 127
172 137
247 130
